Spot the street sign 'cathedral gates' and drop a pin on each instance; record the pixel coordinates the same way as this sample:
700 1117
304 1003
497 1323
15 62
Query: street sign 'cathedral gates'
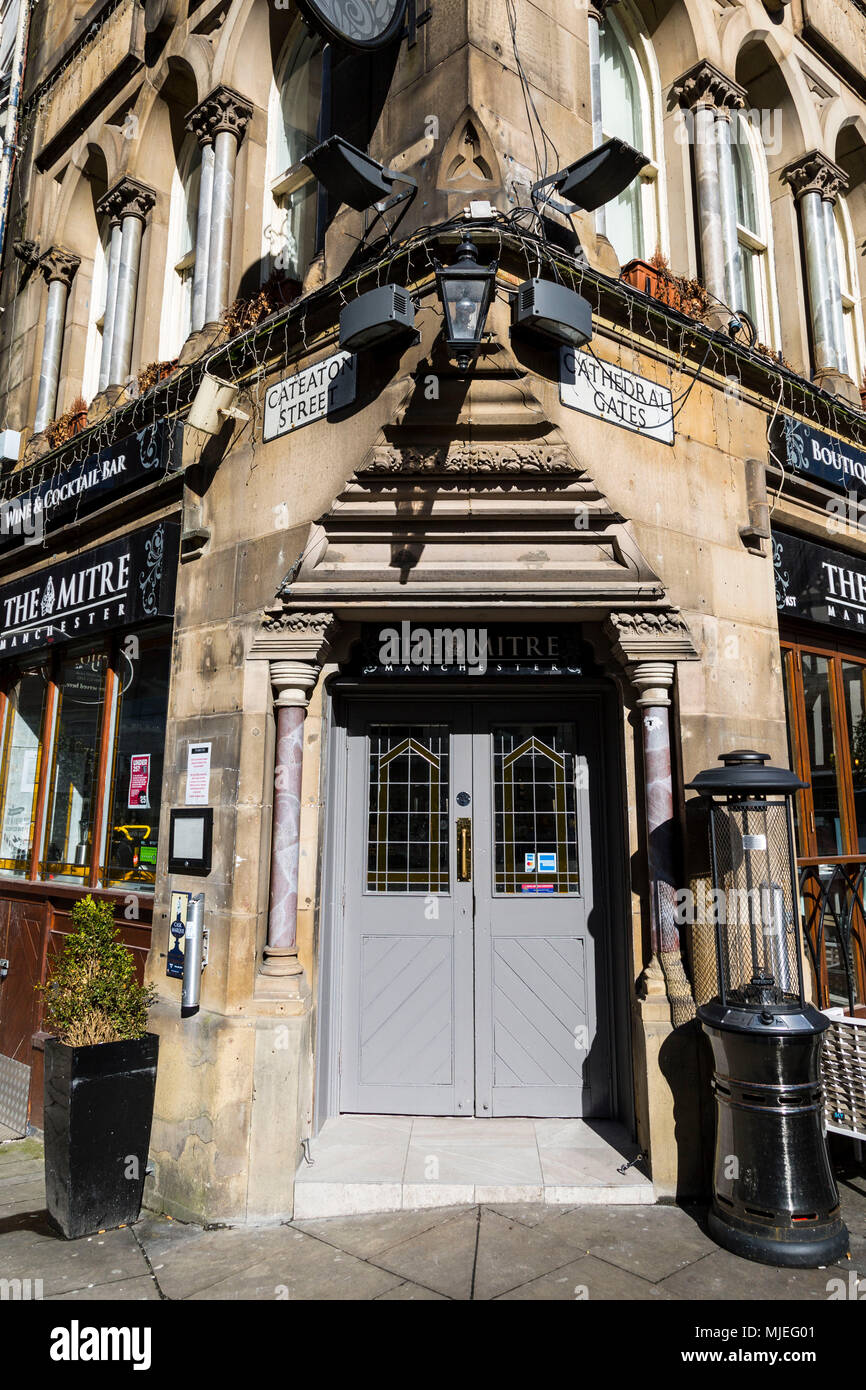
413 649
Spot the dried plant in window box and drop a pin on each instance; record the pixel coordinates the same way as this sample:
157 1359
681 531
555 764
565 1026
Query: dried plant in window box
154 372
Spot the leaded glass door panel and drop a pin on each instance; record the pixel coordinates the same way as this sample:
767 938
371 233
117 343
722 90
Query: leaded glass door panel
469 980
407 1045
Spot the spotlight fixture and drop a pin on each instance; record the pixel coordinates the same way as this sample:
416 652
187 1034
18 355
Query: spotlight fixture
595 179
376 317
356 179
465 289
547 310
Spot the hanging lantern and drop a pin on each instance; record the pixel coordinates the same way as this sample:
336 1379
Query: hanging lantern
465 289
774 1195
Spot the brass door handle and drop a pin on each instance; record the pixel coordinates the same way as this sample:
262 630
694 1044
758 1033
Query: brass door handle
464 849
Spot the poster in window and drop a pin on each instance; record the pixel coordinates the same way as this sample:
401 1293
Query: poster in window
139 781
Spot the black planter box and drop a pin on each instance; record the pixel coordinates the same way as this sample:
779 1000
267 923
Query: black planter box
98 1113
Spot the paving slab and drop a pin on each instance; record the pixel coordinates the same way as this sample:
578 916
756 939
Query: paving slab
441 1259
652 1242
64 1265
722 1275
369 1235
589 1280
187 1259
141 1290
511 1254
410 1293
304 1269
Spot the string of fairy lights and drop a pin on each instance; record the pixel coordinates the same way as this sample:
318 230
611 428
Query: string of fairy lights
634 323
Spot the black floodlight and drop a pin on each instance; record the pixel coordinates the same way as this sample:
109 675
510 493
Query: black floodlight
551 311
375 317
465 289
593 180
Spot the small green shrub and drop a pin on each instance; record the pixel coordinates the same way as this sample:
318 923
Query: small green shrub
92 995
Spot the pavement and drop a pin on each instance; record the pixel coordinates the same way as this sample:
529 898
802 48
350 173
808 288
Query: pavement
484 1252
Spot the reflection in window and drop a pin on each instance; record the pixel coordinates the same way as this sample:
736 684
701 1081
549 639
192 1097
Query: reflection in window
96 315
293 130
849 285
822 754
180 261
407 843
136 781
853 676
628 86
535 830
72 784
753 227
19 773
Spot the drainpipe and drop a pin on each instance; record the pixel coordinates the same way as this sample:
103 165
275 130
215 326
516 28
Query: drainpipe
58 267
814 179
10 133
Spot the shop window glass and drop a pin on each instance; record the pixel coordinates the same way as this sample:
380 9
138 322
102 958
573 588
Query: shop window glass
853 678
72 789
822 754
136 784
19 772
789 725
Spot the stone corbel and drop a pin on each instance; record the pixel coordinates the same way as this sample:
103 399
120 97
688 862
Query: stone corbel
295 640
651 635
706 85
815 173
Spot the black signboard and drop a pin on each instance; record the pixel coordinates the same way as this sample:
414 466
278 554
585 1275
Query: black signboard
803 449
119 468
498 649
127 581
818 583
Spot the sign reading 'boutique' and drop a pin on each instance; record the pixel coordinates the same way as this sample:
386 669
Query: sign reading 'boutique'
814 582
119 468
127 581
310 395
615 395
803 449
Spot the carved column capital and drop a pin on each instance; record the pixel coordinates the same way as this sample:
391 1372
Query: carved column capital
127 198
59 264
297 644
650 636
815 173
707 85
653 681
222 109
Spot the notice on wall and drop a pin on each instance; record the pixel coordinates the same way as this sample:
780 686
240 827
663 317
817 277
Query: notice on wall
610 393
198 774
310 395
139 781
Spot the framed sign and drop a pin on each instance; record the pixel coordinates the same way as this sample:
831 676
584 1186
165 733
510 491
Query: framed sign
362 24
819 584
633 402
820 457
309 395
190 840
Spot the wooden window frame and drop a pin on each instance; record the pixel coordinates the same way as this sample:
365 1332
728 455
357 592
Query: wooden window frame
835 653
111 646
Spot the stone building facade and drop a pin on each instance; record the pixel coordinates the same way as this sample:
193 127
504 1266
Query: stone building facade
656 539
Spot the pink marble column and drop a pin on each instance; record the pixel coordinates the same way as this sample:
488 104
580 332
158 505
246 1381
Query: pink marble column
653 680
293 681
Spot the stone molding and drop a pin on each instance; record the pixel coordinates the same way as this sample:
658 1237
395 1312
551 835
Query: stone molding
473 458
223 109
650 636
127 198
815 173
59 264
706 85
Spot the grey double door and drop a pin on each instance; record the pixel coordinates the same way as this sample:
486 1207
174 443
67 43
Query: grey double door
470 934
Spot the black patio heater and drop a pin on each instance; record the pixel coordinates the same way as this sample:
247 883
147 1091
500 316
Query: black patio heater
774 1195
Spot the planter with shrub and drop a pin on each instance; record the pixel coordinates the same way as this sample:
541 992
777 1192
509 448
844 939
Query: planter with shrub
100 1078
